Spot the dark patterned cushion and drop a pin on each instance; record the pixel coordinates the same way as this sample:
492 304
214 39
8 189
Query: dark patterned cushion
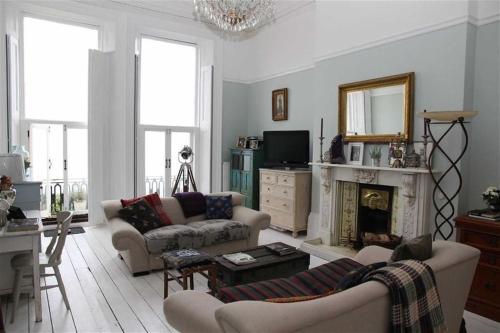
219 207
316 281
192 203
141 216
154 201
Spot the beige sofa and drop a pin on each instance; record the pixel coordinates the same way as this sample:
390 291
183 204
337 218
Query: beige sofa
364 308
131 245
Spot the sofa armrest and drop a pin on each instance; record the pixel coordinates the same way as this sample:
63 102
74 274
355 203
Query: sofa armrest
371 254
124 235
192 311
111 208
255 219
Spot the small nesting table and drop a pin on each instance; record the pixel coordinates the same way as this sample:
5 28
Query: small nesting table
186 267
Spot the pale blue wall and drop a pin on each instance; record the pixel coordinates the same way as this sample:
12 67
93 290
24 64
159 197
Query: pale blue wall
300 104
484 149
455 69
234 115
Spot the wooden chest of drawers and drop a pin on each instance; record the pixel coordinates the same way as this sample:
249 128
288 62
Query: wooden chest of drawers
484 296
286 196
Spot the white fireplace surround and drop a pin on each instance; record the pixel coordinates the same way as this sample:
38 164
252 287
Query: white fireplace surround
414 197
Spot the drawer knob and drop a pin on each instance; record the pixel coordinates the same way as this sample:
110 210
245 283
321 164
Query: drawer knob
284 180
490 286
285 192
269 189
267 201
284 205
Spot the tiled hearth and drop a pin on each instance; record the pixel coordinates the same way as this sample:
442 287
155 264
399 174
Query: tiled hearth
410 192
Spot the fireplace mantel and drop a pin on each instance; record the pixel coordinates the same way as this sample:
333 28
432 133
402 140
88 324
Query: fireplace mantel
414 197
367 167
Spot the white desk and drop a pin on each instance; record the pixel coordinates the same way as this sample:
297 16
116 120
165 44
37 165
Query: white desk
26 241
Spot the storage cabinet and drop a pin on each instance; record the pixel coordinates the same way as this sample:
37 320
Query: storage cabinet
286 196
245 164
28 195
484 296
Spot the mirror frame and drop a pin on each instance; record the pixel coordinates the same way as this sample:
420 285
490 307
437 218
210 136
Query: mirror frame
406 79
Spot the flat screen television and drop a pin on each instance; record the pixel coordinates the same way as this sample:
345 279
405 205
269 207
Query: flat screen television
286 149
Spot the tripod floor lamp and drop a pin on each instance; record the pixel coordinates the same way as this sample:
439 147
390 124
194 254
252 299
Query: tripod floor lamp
445 210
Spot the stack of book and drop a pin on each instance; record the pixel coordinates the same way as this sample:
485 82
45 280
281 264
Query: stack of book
22 225
281 249
486 214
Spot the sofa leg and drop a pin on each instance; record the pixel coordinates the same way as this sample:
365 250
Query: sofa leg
140 273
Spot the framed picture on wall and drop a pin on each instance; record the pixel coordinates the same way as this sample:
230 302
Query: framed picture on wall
355 152
280 104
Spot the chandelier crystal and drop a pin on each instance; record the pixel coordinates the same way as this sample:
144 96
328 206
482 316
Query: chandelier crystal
235 15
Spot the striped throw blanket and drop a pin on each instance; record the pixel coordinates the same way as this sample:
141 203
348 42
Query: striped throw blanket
415 300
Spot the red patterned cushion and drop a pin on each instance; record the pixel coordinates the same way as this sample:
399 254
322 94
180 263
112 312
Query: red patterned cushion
313 282
154 201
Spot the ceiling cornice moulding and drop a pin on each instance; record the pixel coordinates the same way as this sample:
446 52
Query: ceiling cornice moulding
386 40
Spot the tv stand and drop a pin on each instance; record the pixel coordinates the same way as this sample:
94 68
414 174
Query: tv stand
286 196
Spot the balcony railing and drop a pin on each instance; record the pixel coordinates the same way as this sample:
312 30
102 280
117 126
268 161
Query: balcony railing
157 184
53 196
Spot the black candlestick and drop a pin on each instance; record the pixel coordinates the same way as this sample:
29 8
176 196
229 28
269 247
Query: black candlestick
321 138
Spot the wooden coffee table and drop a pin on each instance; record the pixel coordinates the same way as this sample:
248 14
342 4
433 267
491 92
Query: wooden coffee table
268 266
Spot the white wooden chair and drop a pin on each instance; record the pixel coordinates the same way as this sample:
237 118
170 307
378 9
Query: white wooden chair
23 263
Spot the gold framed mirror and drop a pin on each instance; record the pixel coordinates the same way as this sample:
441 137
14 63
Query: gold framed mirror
377 110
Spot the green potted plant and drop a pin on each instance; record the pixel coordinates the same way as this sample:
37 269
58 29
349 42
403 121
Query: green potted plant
79 200
492 198
375 155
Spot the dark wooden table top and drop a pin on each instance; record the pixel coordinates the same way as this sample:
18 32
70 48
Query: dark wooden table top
264 256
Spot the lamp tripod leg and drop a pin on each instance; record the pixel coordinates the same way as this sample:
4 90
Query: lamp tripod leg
191 177
177 180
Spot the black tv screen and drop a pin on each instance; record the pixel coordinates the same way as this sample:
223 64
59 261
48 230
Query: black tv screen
286 148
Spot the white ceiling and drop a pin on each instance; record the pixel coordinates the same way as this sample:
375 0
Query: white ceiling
184 8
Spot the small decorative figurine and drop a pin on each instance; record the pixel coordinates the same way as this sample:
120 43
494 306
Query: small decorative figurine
397 152
412 160
337 150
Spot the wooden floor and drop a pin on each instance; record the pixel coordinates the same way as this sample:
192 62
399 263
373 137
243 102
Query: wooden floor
104 297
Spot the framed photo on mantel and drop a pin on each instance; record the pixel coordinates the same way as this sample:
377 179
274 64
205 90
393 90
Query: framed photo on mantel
280 104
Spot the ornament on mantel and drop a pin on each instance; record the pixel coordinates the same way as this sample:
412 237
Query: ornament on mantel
337 150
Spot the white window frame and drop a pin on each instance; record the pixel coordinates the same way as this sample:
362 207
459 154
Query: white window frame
26 123
168 129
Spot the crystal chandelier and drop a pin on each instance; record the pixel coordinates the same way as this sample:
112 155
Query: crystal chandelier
235 15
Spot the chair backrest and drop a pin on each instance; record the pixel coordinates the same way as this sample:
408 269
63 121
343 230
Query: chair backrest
63 222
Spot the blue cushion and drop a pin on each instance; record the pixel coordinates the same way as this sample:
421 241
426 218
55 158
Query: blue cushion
219 207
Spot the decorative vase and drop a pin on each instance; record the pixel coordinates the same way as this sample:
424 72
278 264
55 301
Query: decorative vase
375 162
4 211
9 195
494 207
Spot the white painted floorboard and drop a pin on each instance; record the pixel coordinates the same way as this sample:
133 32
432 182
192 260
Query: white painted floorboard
105 297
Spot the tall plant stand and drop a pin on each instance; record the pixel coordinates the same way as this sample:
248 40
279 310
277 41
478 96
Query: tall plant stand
445 211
